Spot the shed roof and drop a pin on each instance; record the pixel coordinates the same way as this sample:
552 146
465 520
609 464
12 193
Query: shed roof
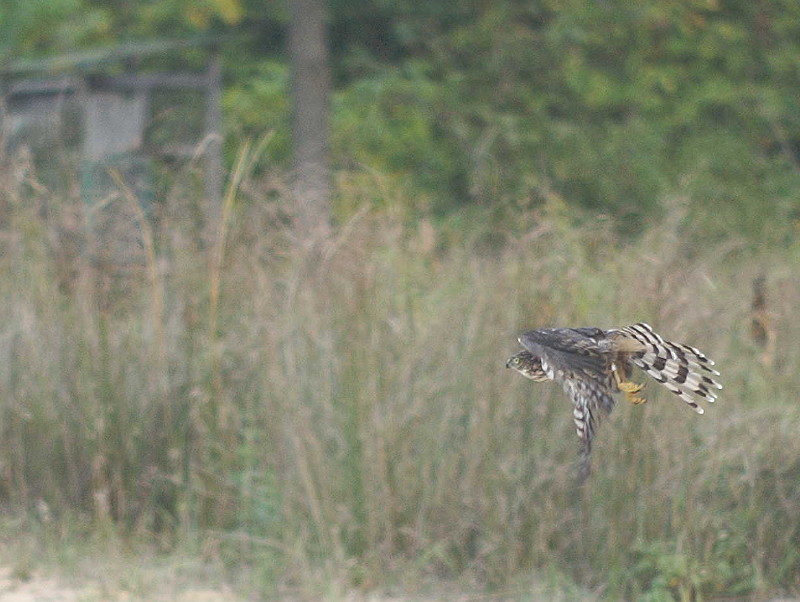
95 57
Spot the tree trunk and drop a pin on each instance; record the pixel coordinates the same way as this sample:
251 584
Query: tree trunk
308 51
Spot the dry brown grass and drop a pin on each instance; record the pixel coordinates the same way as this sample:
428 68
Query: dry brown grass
342 414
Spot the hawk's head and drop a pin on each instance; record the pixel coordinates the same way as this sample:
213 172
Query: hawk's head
528 365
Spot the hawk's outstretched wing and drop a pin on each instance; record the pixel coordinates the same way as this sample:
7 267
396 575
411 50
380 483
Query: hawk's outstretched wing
567 351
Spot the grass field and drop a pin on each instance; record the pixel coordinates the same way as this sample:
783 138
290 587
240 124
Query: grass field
337 419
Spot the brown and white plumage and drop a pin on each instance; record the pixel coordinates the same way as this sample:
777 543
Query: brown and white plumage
592 364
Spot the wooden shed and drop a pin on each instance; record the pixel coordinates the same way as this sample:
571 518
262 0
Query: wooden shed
121 114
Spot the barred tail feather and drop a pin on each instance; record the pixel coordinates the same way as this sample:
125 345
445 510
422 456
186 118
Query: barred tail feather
682 369
678 389
660 347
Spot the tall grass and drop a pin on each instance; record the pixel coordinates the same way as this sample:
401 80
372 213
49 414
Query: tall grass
342 414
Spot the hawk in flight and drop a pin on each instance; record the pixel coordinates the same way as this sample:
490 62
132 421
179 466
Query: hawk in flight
592 364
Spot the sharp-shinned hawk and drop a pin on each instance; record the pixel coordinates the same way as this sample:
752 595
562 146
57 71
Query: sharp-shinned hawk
592 364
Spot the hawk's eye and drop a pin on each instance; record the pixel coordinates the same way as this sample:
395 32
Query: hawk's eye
516 361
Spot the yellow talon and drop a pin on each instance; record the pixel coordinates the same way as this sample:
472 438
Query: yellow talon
630 389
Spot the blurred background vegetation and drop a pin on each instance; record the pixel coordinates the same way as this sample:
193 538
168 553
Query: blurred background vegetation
337 419
612 105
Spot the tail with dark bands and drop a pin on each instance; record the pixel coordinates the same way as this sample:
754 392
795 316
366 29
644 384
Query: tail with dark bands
682 369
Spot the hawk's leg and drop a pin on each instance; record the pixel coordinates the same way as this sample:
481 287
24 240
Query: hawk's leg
629 388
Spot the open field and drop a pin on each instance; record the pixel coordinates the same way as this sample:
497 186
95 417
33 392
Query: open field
40 564
321 421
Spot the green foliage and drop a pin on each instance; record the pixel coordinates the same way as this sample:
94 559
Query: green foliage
666 576
612 105
174 18
388 124
39 26
258 101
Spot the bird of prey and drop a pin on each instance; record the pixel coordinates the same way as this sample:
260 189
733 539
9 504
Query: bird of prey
592 365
